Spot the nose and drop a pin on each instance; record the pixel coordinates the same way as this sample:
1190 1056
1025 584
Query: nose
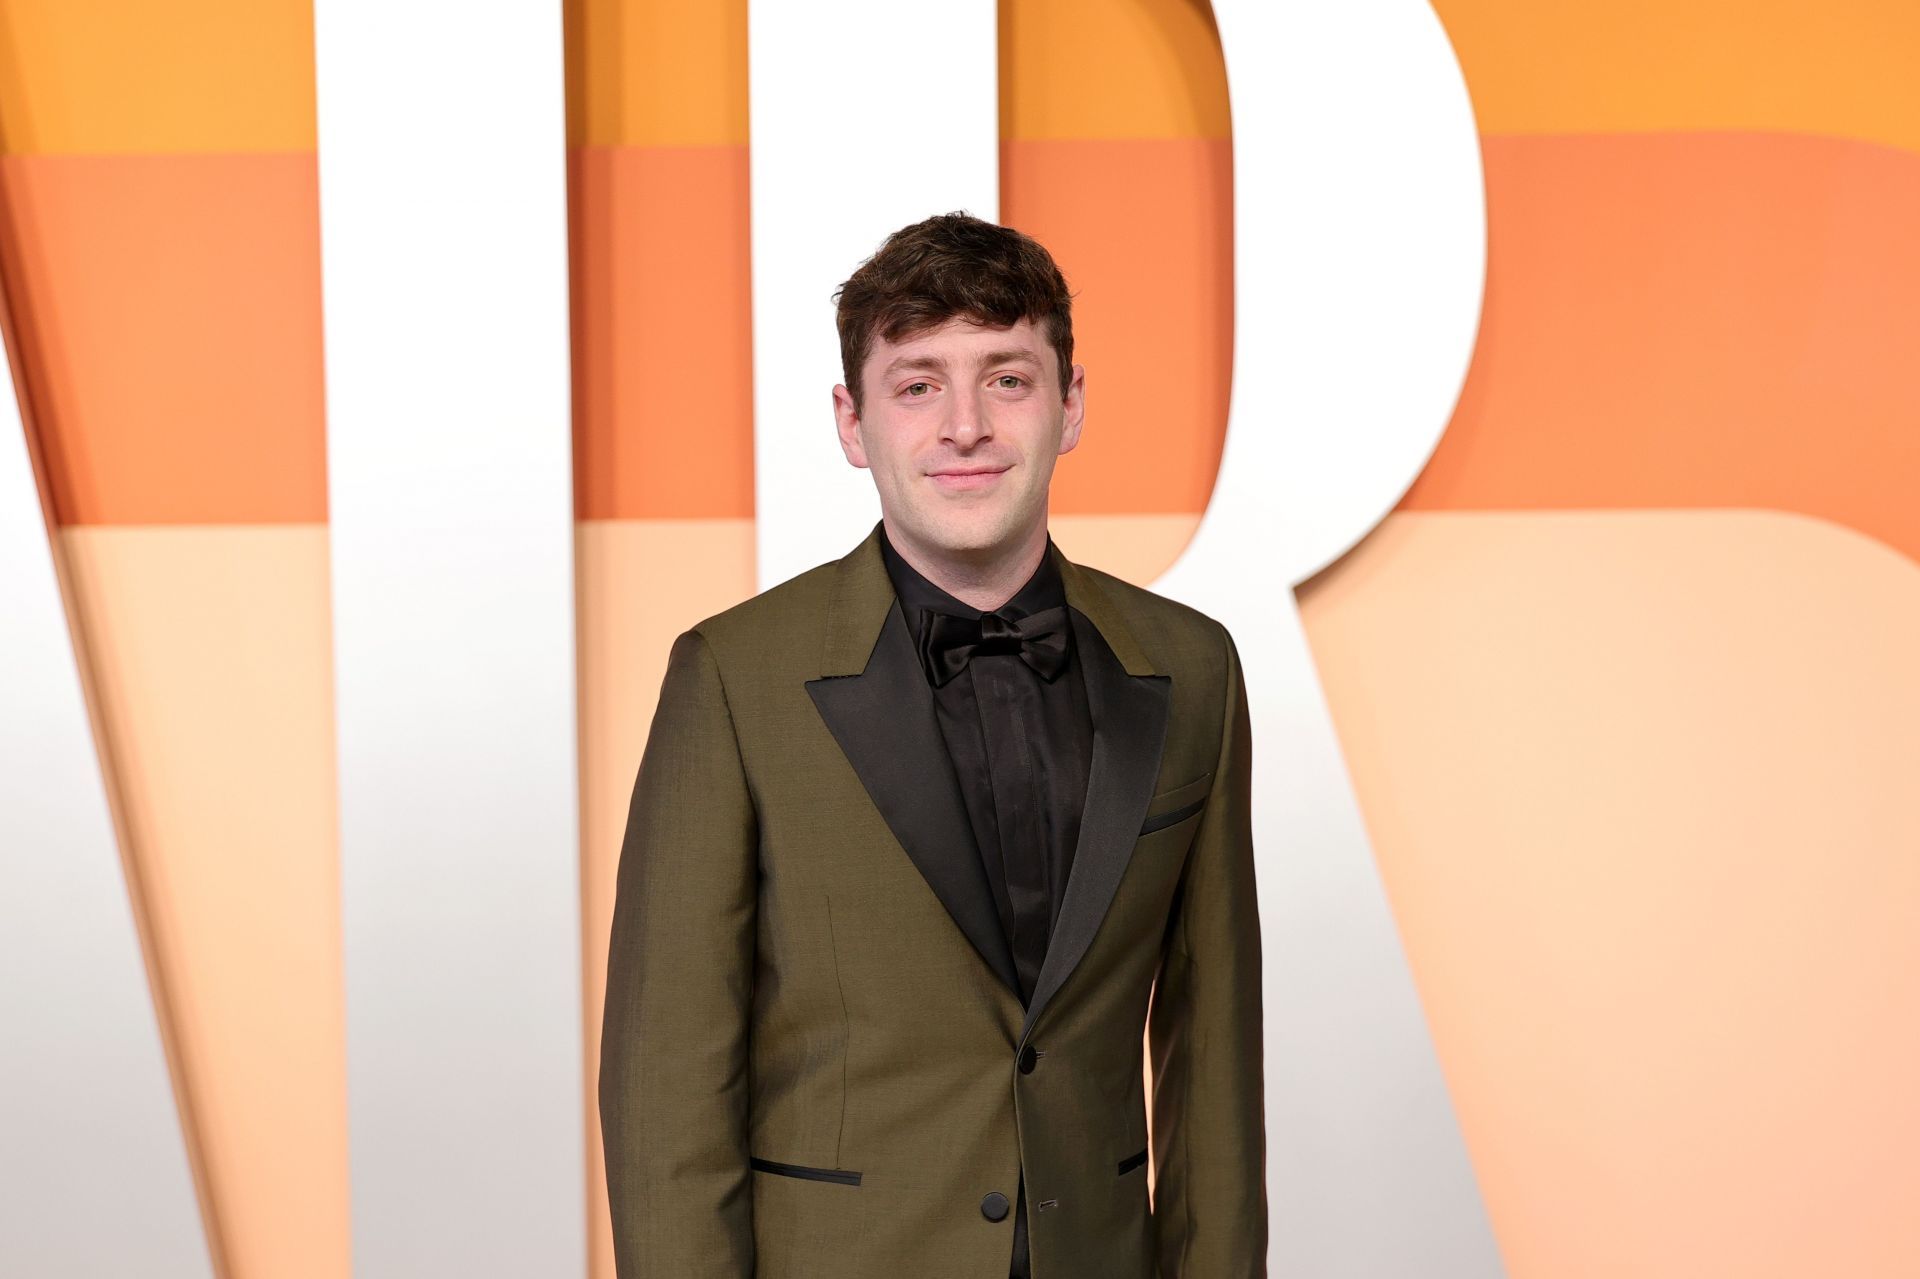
967 422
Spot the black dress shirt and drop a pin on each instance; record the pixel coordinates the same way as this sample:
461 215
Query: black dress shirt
1021 746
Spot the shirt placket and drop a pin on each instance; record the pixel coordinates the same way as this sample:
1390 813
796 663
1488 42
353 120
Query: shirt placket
1010 725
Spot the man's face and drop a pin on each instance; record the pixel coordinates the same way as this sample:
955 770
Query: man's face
960 426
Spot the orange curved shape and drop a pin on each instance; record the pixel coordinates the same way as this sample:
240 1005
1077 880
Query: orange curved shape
1704 320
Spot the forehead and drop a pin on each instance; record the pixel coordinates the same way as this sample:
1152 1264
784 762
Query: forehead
959 339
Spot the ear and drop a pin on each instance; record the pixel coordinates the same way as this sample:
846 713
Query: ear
1076 408
846 421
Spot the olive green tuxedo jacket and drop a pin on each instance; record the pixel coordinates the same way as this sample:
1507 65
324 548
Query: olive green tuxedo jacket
815 1061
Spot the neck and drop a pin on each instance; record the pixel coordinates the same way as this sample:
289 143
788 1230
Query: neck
985 577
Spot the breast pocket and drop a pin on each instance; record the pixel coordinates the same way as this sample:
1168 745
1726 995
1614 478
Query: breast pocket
1171 807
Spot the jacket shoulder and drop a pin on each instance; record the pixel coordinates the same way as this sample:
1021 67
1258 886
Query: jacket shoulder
1168 630
795 607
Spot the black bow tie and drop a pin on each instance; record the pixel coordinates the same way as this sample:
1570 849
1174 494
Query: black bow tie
949 641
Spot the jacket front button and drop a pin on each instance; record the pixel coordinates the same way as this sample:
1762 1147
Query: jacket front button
1028 1059
994 1206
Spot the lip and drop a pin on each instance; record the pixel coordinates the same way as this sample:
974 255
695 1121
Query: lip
957 480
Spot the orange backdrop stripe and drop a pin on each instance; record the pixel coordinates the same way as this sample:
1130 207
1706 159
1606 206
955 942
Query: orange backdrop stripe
1844 69
1695 320
652 74
170 340
663 333
1141 229
1077 70
79 77
656 74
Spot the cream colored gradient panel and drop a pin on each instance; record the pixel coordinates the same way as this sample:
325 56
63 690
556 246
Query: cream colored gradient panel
1640 785
641 583
210 652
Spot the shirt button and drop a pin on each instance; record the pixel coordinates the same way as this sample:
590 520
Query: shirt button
1028 1059
994 1206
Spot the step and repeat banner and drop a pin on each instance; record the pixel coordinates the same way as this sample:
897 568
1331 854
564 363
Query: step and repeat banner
1528 388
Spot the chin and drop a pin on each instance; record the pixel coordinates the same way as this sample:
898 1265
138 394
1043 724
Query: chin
967 530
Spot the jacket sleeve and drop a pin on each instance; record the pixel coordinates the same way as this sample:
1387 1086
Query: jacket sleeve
674 1042
1205 1035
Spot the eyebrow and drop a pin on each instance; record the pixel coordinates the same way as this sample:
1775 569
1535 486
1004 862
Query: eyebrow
934 364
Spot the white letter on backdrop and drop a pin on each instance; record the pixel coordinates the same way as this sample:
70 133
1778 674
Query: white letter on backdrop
1359 262
867 115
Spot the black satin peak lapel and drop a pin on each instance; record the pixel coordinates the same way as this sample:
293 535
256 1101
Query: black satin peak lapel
885 722
1129 715
875 700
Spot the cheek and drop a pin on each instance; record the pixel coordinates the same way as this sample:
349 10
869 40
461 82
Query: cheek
1037 433
887 455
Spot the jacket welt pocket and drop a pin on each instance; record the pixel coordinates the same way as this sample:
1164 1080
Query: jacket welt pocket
1178 804
840 1175
1131 1162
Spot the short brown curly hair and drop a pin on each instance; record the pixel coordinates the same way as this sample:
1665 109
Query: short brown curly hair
952 264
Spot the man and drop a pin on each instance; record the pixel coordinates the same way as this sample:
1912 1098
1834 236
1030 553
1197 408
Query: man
916 836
